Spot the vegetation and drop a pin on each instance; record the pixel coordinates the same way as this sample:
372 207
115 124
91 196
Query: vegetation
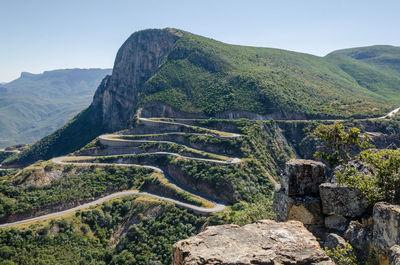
339 143
131 230
35 105
202 75
22 192
342 255
63 141
178 149
225 146
243 213
106 234
379 179
262 149
4 155
150 241
382 182
301 136
375 67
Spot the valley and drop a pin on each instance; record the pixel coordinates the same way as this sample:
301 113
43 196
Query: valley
119 149
186 133
35 105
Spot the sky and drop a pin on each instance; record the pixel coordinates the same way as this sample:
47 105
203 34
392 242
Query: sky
54 34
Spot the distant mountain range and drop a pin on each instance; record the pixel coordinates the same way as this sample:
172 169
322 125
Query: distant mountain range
34 105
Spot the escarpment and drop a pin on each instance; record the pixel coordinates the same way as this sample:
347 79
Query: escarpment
136 61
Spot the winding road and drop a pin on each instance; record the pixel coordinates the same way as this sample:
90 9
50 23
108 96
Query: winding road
390 114
114 139
218 206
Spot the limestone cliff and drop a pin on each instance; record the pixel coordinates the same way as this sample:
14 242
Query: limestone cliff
136 61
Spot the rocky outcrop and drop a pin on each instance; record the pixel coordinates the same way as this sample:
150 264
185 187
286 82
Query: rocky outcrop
394 257
336 222
334 241
136 61
386 231
161 109
297 197
264 242
341 200
304 209
360 238
302 177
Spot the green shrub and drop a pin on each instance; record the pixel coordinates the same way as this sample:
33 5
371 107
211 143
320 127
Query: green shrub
342 255
383 181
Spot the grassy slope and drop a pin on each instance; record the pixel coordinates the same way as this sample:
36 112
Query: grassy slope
204 75
376 68
63 141
383 57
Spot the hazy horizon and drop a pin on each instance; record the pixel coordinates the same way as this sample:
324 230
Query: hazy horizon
46 35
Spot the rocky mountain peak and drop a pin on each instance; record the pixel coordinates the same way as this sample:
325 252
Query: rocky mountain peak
136 61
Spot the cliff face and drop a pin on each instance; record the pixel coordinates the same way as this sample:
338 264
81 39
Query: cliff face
136 61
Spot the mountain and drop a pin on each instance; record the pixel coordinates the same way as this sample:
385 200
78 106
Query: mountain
376 68
35 105
173 73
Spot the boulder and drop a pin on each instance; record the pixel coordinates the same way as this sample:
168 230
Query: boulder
359 236
386 226
302 177
263 242
394 255
342 200
305 209
336 222
334 240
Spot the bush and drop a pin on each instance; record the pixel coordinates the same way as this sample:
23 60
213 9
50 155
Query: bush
383 183
342 255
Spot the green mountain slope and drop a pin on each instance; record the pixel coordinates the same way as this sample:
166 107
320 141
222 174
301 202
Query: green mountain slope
35 105
170 72
384 57
206 76
376 68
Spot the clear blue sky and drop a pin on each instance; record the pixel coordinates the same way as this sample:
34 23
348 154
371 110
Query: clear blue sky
51 34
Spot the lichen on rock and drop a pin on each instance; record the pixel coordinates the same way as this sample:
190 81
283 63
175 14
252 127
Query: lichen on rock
263 242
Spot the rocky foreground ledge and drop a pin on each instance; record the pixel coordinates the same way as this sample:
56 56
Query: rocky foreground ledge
263 242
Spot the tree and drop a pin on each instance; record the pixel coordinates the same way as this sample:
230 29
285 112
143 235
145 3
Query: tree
383 181
339 144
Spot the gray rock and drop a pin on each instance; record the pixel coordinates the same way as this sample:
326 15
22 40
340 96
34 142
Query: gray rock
386 231
341 200
334 240
263 242
336 222
302 177
280 203
136 61
305 209
359 236
394 255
